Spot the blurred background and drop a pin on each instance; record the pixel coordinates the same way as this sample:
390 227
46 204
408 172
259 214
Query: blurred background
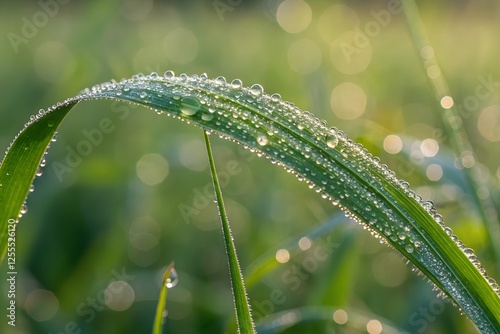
114 208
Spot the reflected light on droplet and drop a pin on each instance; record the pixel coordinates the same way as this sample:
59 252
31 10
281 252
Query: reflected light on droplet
304 56
305 243
393 144
433 71
119 296
374 327
294 15
429 147
152 169
340 317
41 305
180 46
427 52
282 256
488 123
434 172
447 102
348 101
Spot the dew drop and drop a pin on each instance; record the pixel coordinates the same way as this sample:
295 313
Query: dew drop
39 172
262 140
207 116
332 140
220 80
169 74
256 90
172 279
236 84
32 188
143 95
24 209
275 97
409 248
190 105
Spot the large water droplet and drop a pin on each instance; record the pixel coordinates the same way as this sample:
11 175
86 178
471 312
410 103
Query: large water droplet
332 140
256 90
190 105
172 279
236 84
169 74
275 97
262 140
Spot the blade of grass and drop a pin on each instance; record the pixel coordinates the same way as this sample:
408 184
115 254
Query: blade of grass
240 297
162 300
333 165
454 129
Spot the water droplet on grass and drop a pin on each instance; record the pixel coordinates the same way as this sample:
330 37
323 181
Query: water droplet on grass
169 74
236 84
332 140
172 279
256 90
262 140
275 97
190 106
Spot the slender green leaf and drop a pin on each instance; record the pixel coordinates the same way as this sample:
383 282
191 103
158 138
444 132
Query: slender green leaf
241 303
162 299
334 166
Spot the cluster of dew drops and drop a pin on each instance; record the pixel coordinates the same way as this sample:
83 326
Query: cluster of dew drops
331 137
190 106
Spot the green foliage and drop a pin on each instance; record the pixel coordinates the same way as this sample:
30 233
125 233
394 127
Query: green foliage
336 167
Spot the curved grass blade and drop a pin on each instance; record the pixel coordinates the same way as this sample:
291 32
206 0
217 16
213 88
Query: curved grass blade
331 164
240 297
162 299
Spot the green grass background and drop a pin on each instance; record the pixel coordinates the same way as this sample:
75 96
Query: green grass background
101 218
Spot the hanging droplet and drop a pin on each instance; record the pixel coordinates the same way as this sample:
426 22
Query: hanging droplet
43 162
32 188
256 90
24 209
190 106
332 140
262 140
172 279
236 84
39 172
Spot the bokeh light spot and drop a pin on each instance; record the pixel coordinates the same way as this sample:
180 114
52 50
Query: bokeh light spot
294 15
41 305
304 56
152 169
434 172
488 123
305 243
374 327
348 101
393 144
447 102
429 147
192 155
119 296
340 317
351 53
389 270
282 256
